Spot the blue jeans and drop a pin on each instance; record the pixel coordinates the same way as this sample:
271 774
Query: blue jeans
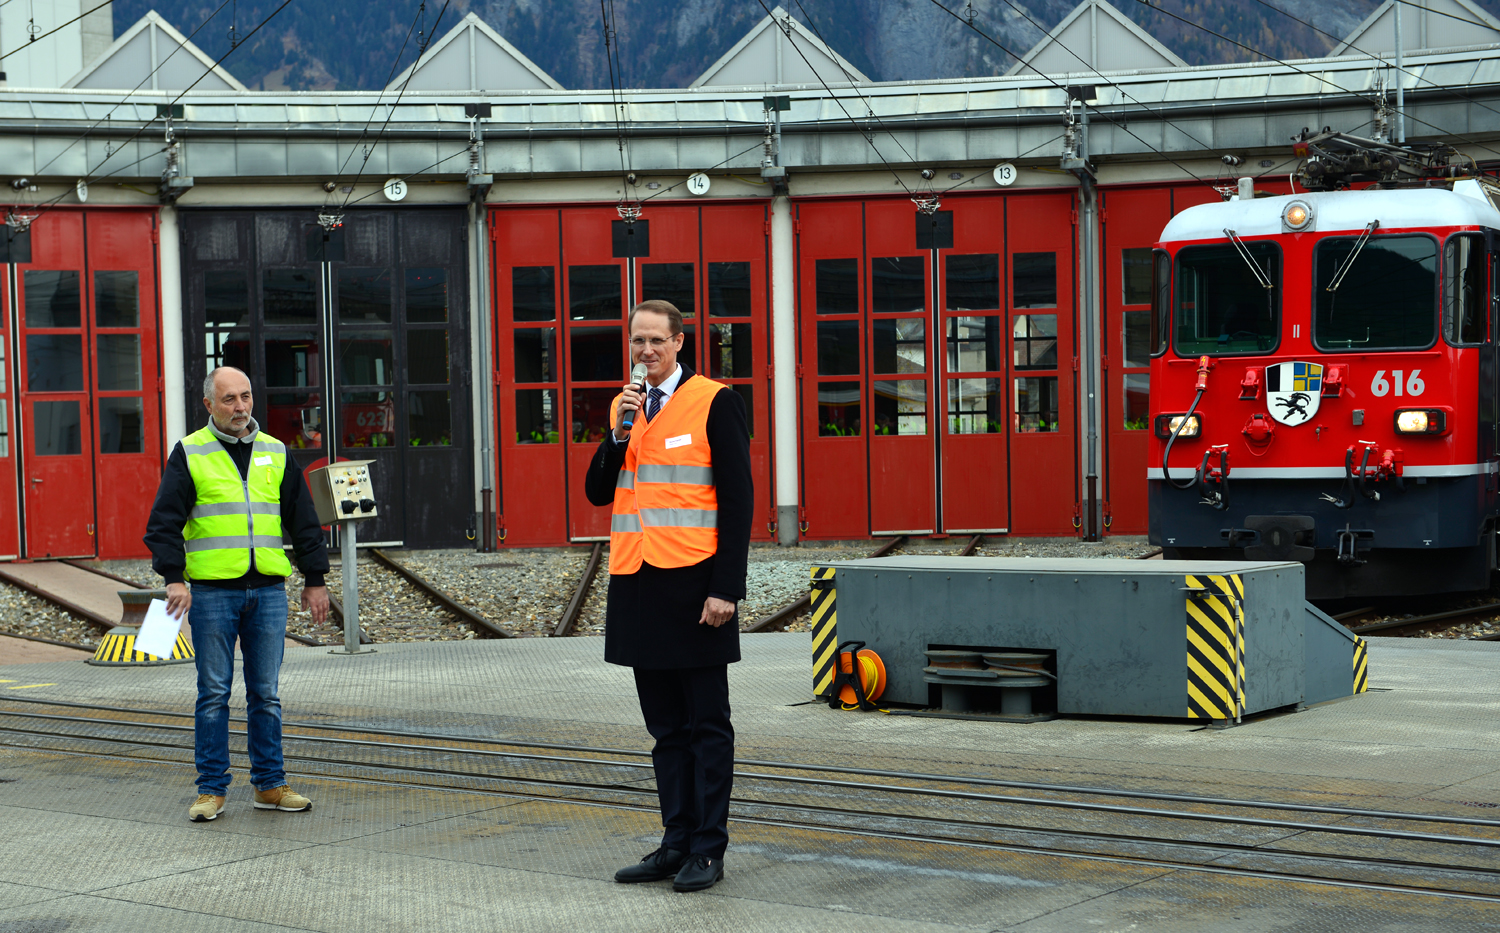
257 619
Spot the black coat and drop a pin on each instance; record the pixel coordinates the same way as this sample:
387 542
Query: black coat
651 619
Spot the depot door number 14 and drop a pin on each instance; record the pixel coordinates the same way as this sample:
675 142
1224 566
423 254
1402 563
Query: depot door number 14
1379 386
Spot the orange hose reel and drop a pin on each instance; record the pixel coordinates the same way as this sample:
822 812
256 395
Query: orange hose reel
871 675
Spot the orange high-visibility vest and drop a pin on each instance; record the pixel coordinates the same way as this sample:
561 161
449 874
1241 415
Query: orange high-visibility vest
666 510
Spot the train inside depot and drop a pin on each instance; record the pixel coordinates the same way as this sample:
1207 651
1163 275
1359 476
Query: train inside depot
1324 378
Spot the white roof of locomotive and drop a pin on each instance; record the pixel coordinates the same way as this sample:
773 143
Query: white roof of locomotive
1465 206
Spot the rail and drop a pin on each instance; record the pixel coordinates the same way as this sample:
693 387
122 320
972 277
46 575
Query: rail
1137 827
93 618
100 571
782 617
475 621
569 619
1433 622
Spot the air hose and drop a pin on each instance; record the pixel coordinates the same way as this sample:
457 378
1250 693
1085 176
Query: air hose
1203 367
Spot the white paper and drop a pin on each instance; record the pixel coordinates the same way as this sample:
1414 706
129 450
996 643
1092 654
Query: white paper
158 634
681 440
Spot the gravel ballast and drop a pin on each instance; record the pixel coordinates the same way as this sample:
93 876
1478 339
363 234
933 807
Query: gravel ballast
24 614
526 591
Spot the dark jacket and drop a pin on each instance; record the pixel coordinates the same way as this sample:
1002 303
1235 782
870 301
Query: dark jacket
177 494
651 618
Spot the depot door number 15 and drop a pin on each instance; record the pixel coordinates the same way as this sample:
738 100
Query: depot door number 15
1414 384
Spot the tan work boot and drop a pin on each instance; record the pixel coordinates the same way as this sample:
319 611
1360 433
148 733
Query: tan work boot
206 807
281 798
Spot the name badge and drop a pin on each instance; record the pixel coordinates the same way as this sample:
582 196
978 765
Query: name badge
263 461
681 440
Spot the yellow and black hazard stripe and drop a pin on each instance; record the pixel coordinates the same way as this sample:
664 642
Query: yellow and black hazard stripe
824 629
1361 665
118 648
1215 646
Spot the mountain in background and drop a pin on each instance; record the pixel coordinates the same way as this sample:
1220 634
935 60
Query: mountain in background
334 44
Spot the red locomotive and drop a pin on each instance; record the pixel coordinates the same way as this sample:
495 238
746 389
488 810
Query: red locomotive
1325 385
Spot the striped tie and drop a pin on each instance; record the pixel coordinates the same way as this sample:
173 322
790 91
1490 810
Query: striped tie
653 402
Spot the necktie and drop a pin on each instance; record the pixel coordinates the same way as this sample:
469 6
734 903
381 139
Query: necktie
653 402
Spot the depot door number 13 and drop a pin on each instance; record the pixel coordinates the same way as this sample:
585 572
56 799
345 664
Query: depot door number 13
1379 386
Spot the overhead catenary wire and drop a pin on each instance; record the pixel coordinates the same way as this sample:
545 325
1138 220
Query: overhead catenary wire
1381 58
1049 79
370 149
1302 71
616 92
410 175
869 137
106 118
56 29
396 63
853 85
136 135
1091 67
709 169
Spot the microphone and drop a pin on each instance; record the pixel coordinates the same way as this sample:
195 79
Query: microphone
638 378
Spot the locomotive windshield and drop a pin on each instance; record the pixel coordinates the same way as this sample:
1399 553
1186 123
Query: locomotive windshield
1385 300
1222 305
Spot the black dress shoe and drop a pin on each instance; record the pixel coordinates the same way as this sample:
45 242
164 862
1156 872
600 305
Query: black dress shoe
658 866
699 873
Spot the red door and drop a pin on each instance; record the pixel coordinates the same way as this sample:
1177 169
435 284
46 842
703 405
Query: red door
557 371
121 324
973 393
1133 221
1041 271
528 293
735 338
594 353
900 358
54 374
831 293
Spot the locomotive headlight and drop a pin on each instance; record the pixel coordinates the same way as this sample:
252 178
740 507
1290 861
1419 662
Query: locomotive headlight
1296 217
1421 421
1166 424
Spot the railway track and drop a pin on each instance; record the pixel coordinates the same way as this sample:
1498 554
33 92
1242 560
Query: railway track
482 627
772 622
795 609
97 621
1337 844
1412 626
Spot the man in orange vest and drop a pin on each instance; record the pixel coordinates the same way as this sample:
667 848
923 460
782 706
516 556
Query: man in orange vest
679 483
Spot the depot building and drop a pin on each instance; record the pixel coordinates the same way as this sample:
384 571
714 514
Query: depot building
932 296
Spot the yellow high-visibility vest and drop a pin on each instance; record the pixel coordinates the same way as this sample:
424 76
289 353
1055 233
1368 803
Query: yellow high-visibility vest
234 519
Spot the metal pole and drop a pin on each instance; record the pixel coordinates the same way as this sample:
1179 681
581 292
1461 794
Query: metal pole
351 590
174 397
1088 237
784 372
1400 84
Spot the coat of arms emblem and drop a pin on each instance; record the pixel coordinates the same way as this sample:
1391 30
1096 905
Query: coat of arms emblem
1293 390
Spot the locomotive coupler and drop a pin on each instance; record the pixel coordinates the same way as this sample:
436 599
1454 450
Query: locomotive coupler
1210 477
1349 539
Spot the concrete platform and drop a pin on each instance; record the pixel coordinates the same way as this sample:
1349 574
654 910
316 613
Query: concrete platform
95 843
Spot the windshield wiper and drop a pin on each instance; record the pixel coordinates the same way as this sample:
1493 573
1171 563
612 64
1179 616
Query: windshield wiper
1341 271
1244 251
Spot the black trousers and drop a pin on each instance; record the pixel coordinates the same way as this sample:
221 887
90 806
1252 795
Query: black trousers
687 712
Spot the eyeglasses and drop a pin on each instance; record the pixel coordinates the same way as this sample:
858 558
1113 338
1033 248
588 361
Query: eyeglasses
656 343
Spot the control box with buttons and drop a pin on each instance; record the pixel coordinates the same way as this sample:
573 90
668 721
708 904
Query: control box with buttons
342 491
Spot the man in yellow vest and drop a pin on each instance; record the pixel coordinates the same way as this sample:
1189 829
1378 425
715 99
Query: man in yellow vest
227 499
679 482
